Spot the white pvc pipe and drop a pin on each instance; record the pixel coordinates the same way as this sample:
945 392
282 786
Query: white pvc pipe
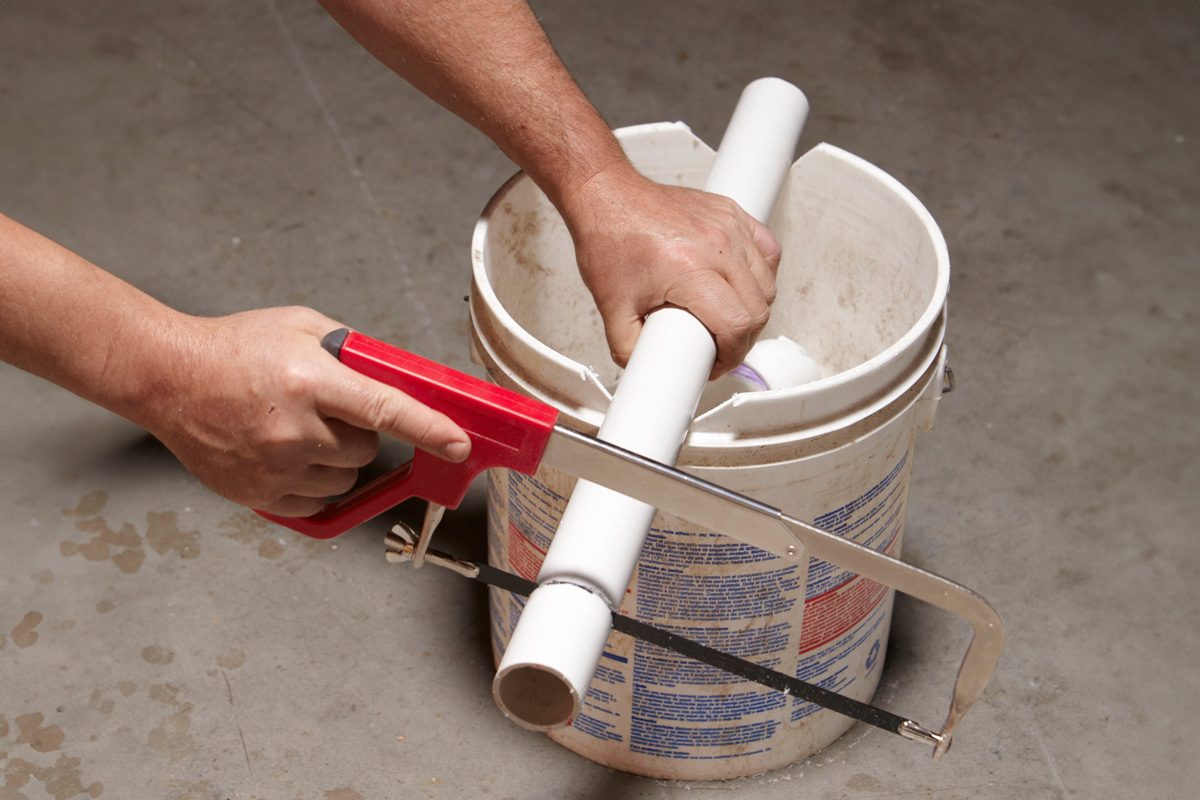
560 636
545 685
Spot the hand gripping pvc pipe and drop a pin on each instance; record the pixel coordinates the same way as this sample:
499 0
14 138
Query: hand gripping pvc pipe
558 641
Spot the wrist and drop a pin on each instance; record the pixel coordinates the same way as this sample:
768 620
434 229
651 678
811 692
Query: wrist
605 194
149 366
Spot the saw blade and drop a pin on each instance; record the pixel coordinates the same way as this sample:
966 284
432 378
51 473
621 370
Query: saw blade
765 676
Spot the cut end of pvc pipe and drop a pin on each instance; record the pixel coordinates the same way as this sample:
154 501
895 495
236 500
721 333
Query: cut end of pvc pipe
545 672
535 697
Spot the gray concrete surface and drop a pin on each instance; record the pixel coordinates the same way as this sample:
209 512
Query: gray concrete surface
158 642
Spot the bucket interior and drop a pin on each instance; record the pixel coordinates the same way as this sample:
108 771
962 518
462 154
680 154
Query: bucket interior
530 262
862 280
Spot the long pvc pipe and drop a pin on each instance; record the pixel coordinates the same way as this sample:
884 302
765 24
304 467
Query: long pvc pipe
559 639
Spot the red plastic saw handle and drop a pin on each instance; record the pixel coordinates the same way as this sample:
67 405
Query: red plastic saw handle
506 430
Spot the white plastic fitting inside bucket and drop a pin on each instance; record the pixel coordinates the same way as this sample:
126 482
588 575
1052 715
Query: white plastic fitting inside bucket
862 287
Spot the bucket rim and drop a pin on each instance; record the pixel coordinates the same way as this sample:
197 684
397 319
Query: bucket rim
908 342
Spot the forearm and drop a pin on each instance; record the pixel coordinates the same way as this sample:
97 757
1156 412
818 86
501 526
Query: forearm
639 245
490 63
86 330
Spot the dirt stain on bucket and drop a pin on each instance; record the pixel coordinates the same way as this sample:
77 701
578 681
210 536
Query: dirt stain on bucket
522 233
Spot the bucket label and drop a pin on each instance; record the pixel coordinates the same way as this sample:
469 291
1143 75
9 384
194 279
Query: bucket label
842 611
645 705
729 596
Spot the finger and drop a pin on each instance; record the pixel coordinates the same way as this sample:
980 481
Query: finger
733 326
767 244
294 506
322 482
740 323
766 267
343 445
309 491
742 276
622 331
371 405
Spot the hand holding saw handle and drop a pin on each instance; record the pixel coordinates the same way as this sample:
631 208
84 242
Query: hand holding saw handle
506 430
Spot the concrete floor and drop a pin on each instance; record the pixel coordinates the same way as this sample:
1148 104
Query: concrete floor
158 642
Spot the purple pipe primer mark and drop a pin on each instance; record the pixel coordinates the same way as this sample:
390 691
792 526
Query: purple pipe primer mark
748 373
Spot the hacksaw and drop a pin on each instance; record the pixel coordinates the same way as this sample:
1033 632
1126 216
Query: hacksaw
512 431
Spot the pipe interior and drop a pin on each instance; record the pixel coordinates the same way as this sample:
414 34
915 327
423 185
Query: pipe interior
535 697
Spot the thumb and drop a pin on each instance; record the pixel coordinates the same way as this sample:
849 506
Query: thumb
369 404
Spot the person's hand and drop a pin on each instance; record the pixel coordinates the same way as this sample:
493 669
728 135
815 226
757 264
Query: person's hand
642 245
261 414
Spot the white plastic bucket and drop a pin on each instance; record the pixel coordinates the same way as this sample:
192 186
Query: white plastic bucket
863 287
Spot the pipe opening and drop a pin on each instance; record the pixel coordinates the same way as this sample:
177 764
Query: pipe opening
535 698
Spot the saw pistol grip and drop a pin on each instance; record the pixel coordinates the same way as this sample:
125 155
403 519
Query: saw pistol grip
506 430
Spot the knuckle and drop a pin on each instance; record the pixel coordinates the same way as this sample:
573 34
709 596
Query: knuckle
680 253
424 432
771 294
725 204
761 310
400 419
720 240
301 314
296 380
315 321
774 253
744 322
276 444
381 413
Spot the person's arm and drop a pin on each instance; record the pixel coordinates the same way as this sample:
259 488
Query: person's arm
250 403
639 244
